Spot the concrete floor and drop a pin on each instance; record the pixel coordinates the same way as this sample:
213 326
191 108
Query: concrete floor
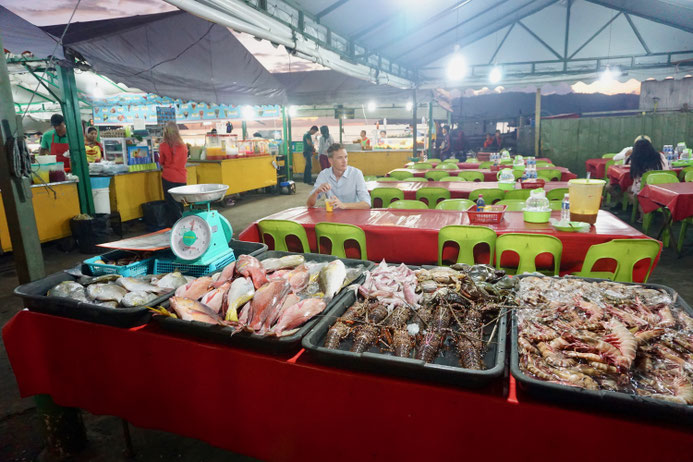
20 431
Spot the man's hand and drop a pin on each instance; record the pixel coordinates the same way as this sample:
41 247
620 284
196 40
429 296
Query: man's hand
336 203
323 188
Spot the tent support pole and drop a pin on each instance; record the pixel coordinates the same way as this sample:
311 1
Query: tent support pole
340 130
244 129
75 138
537 122
430 129
413 118
286 136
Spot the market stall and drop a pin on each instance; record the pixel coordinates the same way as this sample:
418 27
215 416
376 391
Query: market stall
330 410
54 205
490 175
458 189
241 174
417 232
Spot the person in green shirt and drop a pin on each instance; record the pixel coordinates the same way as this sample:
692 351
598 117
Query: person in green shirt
308 150
54 141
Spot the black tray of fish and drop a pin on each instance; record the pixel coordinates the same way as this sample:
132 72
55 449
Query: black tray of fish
444 369
620 402
33 294
270 344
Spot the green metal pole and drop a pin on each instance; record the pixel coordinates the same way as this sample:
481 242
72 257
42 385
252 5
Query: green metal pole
75 138
340 130
430 129
413 130
244 127
286 143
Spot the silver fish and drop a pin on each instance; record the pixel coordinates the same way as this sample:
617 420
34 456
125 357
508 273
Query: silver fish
106 292
138 285
109 304
289 261
132 299
332 277
69 289
171 281
104 278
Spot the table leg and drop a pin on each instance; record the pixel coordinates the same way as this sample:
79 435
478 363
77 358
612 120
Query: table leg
665 232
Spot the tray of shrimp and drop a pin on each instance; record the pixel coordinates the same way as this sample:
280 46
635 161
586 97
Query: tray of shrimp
445 324
620 347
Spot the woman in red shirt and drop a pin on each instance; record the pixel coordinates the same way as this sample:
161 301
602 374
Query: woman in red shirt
173 155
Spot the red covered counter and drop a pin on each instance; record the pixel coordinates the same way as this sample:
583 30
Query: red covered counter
677 197
283 410
458 189
489 175
411 236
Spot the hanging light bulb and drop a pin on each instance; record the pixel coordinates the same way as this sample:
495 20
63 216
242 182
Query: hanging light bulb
248 112
410 106
457 67
609 74
98 93
293 110
371 106
495 75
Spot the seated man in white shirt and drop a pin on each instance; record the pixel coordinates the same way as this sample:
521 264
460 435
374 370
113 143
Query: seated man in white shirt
342 185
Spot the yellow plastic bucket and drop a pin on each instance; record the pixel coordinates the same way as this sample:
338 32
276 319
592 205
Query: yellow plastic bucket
585 199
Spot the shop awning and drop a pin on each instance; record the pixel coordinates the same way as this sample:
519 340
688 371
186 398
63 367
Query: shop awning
174 54
19 36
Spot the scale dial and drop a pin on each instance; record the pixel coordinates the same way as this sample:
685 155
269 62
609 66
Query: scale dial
191 236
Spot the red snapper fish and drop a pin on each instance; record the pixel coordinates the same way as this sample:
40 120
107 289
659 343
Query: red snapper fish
297 314
266 299
192 310
215 298
288 301
251 267
226 274
195 288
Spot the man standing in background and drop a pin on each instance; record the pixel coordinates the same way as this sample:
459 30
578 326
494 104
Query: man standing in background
308 150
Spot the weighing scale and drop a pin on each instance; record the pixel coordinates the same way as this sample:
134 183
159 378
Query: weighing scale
201 237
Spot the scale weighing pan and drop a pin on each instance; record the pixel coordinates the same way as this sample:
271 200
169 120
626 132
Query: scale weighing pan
198 193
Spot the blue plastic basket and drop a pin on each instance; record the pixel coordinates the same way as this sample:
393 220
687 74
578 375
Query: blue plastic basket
167 264
138 268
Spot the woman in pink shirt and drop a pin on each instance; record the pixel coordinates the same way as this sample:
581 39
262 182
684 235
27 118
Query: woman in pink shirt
173 155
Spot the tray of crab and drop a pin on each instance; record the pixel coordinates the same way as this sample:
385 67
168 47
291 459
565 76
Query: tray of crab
626 348
432 323
266 303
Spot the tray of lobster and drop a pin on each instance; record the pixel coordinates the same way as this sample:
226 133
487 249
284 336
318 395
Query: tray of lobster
444 324
626 348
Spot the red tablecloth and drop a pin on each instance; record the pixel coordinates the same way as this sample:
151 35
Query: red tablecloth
488 174
620 175
458 189
275 409
595 167
468 165
411 236
677 197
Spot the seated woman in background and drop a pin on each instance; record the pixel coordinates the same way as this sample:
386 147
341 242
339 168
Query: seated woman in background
643 159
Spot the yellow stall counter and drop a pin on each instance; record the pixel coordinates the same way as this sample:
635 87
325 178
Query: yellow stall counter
240 174
378 162
53 213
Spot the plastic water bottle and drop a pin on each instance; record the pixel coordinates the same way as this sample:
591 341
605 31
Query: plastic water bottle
565 208
480 203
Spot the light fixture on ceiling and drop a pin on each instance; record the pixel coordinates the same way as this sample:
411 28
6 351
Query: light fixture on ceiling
371 106
248 112
98 93
293 110
410 106
609 74
457 67
495 75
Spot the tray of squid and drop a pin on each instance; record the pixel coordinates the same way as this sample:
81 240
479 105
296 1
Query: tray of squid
445 324
625 348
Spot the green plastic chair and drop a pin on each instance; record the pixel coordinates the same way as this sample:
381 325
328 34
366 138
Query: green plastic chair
436 175
471 160
626 252
689 177
645 175
486 164
433 159
387 178
467 237
386 195
491 195
422 166
557 194
684 171
401 174
370 178
407 204
528 247
543 163
338 234
279 230
417 178
522 194
609 156
455 204
555 205
446 166
549 174
682 233
514 205
451 159
518 173
452 178
657 178
471 175
432 195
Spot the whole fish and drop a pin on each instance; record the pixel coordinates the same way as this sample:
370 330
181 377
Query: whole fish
245 314
331 278
171 281
280 274
299 278
289 300
297 314
138 285
225 275
241 291
289 261
195 288
251 267
106 292
132 299
192 310
267 299
215 298
99 279
69 289
109 304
